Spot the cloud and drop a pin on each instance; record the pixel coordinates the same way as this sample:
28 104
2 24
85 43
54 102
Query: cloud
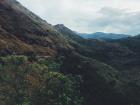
116 20
119 16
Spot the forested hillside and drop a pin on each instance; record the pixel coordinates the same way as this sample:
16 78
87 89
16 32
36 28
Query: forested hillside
41 64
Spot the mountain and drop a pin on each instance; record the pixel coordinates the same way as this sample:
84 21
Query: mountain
101 35
41 64
118 53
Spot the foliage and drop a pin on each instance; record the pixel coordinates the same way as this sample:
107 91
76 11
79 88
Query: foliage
33 83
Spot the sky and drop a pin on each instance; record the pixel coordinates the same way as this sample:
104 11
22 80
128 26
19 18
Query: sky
89 16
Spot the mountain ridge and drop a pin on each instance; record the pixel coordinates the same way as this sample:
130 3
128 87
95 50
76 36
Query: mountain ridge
96 35
102 35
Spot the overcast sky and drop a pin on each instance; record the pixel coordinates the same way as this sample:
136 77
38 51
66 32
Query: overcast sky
88 16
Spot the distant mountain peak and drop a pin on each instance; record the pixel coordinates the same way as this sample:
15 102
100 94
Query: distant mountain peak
102 35
60 26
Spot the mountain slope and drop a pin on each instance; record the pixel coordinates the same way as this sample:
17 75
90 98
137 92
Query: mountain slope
115 55
26 31
120 53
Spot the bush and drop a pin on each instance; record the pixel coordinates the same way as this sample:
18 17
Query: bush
14 59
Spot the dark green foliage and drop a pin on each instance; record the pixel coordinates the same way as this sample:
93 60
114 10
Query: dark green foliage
61 90
102 84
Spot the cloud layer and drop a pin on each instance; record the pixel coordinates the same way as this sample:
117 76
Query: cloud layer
113 16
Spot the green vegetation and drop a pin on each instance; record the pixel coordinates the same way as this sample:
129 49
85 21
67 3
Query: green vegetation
23 82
